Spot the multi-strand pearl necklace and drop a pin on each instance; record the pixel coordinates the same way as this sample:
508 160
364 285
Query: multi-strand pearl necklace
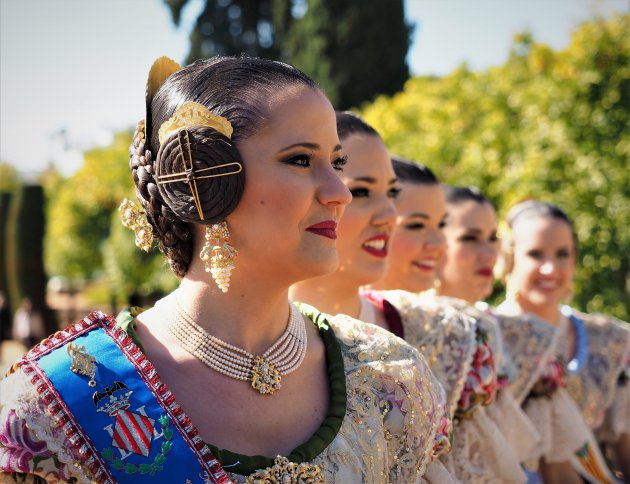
264 372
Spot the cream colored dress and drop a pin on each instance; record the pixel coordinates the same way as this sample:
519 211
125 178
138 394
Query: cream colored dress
392 425
454 343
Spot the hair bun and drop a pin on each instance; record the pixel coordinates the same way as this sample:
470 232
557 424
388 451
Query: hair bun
209 187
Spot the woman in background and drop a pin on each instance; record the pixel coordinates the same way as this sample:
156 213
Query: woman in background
540 253
444 336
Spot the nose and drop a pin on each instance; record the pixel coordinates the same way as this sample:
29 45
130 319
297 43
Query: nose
547 267
435 239
489 253
385 213
332 191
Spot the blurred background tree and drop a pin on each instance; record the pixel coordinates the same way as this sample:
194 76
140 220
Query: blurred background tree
552 125
354 49
86 242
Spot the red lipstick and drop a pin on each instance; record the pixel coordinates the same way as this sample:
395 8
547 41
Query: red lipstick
327 228
376 246
484 271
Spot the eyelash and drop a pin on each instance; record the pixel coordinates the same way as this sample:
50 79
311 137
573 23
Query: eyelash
303 160
394 192
414 226
340 162
360 192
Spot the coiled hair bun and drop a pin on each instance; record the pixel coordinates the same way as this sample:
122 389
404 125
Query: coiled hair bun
217 175
238 90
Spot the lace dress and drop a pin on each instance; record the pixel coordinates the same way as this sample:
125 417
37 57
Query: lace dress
386 421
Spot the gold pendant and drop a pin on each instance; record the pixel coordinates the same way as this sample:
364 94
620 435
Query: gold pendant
285 471
265 378
82 362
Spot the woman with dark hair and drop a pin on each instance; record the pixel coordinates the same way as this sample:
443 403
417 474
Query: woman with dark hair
591 351
417 244
237 173
444 336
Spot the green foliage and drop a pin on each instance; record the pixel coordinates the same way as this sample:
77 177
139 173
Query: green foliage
25 246
130 270
81 210
9 179
87 241
233 27
335 43
320 43
547 125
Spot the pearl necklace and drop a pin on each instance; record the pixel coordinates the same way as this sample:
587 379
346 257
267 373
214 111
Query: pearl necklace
264 372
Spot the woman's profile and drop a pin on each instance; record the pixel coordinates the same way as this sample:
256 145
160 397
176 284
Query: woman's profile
236 171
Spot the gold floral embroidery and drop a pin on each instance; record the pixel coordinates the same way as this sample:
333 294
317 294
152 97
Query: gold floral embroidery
286 472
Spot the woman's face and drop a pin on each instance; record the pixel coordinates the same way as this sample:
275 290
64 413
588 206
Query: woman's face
417 245
285 224
472 250
544 261
365 228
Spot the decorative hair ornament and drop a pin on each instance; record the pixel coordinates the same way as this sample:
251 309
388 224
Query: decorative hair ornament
135 219
193 114
190 174
161 70
218 255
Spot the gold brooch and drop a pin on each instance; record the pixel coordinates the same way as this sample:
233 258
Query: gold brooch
193 114
265 378
82 362
285 471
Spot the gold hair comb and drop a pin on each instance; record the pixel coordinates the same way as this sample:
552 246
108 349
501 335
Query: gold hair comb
193 114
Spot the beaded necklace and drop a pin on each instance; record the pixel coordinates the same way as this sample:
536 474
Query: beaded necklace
264 372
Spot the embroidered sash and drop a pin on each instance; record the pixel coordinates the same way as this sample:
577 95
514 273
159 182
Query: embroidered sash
127 427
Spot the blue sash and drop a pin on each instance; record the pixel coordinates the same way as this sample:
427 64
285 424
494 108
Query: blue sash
127 427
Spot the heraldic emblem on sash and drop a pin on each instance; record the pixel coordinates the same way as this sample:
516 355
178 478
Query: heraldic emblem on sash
132 432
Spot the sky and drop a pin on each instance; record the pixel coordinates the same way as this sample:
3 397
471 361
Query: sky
80 65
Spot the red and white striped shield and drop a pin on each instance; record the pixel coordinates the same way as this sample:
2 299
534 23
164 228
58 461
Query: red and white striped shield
133 432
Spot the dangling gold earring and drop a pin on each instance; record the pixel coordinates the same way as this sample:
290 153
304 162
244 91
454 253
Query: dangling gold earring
218 255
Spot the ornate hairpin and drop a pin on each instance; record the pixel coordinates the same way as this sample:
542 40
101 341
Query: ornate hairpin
193 114
190 174
132 217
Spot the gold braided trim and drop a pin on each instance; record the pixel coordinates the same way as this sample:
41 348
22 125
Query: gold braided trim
193 114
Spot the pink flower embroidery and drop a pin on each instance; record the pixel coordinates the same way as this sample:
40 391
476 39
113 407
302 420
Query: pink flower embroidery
481 383
17 447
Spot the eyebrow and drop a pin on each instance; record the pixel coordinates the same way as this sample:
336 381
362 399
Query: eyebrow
419 215
372 180
306 144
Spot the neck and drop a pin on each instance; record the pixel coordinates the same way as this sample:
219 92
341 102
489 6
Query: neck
548 312
329 294
388 283
446 290
251 315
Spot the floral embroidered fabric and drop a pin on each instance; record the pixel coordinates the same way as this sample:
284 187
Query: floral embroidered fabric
459 350
390 430
596 388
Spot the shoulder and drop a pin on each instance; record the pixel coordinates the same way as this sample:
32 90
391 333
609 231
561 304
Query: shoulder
608 339
425 314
